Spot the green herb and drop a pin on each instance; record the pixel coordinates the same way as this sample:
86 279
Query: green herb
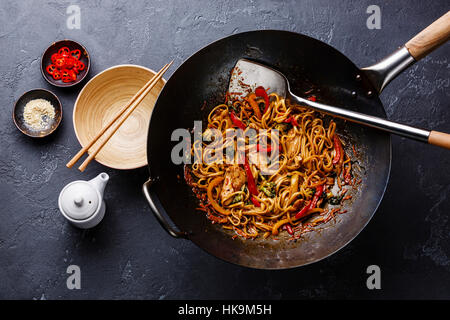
237 198
268 188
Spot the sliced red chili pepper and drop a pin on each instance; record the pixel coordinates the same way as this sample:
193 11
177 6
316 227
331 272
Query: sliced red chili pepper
65 76
59 63
69 62
64 51
56 75
236 121
54 57
66 79
51 68
337 149
75 54
312 98
304 212
79 65
261 92
72 75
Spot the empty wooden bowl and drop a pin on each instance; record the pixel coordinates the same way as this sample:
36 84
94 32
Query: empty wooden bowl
101 99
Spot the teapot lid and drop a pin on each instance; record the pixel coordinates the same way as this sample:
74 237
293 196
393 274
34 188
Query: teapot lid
79 200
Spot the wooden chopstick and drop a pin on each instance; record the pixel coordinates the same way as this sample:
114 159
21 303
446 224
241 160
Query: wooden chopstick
130 109
130 106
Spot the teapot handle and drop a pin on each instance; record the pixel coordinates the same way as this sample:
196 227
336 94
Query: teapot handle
174 233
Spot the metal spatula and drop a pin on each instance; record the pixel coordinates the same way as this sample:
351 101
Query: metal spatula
247 75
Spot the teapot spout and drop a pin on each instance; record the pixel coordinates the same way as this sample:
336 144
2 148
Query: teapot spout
99 182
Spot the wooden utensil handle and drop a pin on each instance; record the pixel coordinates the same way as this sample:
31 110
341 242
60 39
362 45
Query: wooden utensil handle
130 109
430 38
439 139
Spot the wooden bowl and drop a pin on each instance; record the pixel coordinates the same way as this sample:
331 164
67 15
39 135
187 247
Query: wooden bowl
53 48
19 107
101 99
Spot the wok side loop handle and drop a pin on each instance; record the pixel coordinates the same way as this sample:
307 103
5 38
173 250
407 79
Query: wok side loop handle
174 233
430 38
439 139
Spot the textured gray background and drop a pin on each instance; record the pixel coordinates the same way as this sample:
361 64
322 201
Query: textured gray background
129 255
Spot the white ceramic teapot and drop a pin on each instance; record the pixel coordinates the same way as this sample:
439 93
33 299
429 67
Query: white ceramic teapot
81 202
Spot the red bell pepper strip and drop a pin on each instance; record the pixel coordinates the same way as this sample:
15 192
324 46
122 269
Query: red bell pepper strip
236 121
292 121
304 212
266 149
261 92
338 150
289 229
250 181
251 184
255 201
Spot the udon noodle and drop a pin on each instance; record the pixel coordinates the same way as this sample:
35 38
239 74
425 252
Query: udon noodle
309 161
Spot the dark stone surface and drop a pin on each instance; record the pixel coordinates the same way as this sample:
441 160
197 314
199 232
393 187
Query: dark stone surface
129 255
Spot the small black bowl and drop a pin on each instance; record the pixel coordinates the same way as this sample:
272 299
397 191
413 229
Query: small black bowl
53 48
19 107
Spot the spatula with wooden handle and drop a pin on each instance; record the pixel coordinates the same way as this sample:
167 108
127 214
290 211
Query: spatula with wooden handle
254 74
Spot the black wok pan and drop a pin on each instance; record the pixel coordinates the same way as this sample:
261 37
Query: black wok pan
308 64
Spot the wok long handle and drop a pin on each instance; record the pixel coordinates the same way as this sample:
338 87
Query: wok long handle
432 137
174 233
383 72
430 38
439 139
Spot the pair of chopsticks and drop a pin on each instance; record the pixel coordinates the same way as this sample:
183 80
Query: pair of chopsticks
127 109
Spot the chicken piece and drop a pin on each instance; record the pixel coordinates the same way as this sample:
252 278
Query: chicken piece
234 180
293 144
